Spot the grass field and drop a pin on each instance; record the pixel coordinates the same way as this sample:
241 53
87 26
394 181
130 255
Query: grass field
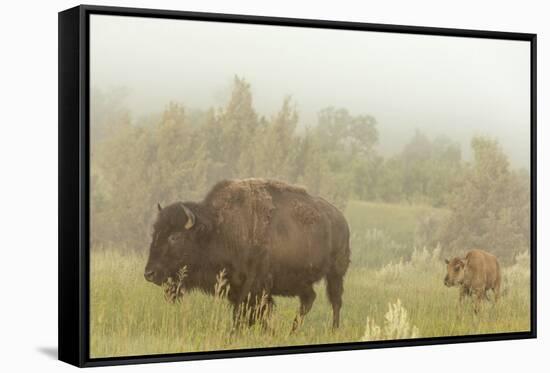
130 316
398 220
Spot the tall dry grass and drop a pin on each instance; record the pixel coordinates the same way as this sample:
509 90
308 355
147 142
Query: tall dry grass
130 316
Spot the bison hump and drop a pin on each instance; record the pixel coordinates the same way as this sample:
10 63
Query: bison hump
305 213
243 210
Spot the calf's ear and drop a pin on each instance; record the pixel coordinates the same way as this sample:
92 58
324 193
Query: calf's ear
447 261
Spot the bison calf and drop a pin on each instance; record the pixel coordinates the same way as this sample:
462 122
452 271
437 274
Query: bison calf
475 274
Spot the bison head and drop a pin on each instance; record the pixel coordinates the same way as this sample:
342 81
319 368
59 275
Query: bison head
455 271
175 242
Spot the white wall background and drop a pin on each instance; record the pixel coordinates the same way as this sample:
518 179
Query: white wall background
28 184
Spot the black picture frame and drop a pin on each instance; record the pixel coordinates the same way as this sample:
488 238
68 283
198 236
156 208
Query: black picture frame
74 163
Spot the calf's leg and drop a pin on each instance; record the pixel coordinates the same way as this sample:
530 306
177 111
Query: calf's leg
462 293
496 291
479 294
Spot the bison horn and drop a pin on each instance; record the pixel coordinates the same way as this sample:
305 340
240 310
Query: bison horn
190 217
159 207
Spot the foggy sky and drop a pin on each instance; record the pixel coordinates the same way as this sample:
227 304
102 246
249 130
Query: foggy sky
456 87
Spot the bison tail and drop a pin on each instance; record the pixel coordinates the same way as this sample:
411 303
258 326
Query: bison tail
341 259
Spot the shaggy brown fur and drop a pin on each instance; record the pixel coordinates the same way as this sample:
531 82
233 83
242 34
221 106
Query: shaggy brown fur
476 274
272 238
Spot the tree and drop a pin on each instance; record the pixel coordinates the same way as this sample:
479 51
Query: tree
429 168
339 156
340 130
389 180
238 123
276 144
489 205
179 154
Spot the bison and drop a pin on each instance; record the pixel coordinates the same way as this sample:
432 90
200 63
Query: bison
270 238
476 274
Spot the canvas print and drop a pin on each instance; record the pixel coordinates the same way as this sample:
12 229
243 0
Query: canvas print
258 186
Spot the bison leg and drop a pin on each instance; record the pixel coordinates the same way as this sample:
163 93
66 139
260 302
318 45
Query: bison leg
252 281
479 295
260 310
463 292
307 297
496 291
255 308
242 301
238 311
335 289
